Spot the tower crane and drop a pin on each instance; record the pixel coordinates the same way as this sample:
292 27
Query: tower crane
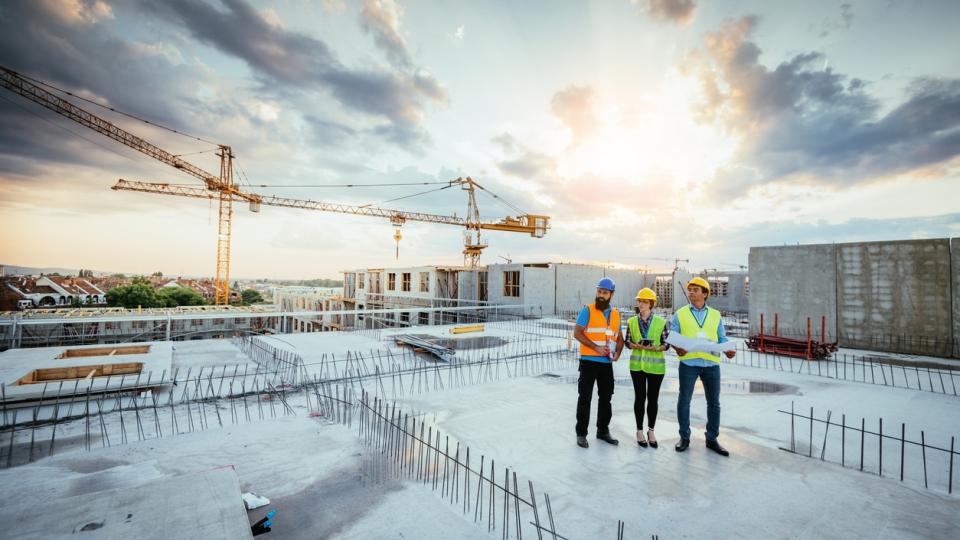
222 188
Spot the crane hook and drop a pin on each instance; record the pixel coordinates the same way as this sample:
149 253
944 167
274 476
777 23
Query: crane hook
396 237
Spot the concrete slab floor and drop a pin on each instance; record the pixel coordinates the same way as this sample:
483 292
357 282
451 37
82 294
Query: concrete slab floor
203 506
314 473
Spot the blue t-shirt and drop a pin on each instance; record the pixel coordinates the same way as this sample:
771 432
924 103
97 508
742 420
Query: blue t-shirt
583 319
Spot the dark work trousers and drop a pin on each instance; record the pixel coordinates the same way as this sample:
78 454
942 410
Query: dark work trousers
602 374
710 377
646 386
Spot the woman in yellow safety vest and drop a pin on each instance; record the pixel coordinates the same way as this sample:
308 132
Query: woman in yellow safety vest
646 338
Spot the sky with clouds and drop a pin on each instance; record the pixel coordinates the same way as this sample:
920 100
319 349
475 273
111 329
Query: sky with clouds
647 129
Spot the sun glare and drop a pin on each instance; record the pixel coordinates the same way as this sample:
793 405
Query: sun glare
649 138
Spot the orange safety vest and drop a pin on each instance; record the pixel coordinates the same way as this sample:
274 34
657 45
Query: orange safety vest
598 330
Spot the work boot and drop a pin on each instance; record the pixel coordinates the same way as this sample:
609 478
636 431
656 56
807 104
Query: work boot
715 446
582 442
682 445
605 437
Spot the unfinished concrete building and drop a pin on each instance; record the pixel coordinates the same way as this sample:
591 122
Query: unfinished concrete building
898 296
562 288
412 287
543 288
729 291
47 328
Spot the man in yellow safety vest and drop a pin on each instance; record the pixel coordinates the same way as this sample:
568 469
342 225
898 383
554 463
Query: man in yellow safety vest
598 331
696 320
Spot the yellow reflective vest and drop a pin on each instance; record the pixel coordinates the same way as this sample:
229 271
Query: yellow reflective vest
710 329
643 360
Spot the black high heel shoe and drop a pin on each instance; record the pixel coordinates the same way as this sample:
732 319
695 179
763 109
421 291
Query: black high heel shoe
640 440
653 442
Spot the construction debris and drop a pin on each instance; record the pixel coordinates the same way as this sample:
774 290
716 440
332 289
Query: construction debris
252 500
421 345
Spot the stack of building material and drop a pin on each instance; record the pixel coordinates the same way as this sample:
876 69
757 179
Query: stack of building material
800 348
422 345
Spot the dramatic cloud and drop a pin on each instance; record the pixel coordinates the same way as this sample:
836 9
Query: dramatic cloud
574 107
522 162
329 132
302 62
72 49
381 19
678 11
802 120
78 11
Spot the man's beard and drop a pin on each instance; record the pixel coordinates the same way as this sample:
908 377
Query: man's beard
601 303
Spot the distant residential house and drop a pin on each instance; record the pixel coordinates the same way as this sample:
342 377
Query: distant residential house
51 291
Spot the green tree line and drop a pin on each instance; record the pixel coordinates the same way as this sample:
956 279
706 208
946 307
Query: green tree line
141 294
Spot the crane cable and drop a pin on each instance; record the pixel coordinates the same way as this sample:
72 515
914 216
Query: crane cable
499 198
68 130
407 196
388 184
128 115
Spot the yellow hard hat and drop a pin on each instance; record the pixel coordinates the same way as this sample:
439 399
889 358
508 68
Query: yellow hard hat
699 281
647 293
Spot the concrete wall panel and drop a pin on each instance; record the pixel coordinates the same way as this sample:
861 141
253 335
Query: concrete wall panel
955 293
537 287
895 296
794 282
577 285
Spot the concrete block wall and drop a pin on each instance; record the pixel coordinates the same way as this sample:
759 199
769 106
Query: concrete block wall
955 292
576 285
628 283
495 284
897 296
794 282
467 287
893 292
562 288
537 288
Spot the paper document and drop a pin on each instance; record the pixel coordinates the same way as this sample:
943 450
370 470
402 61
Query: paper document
699 344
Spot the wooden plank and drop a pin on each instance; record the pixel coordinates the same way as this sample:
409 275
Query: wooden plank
79 372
